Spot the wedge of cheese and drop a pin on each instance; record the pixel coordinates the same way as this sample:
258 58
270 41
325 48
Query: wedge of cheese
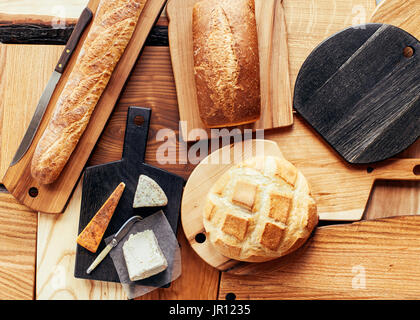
149 194
143 256
92 234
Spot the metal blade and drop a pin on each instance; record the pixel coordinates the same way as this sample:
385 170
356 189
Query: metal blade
37 117
118 236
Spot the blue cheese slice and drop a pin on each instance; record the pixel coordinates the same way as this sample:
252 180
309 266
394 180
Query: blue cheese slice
149 194
143 256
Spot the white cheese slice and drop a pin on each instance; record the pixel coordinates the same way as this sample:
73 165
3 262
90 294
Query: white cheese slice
149 194
143 256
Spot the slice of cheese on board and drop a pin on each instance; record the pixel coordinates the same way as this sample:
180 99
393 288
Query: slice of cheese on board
92 234
149 194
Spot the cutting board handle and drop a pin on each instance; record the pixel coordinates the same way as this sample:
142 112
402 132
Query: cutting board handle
136 133
397 169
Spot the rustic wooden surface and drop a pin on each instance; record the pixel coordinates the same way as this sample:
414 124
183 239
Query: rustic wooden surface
364 260
52 198
18 227
276 103
308 28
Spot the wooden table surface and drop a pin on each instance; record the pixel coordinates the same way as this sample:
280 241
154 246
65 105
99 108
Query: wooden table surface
377 259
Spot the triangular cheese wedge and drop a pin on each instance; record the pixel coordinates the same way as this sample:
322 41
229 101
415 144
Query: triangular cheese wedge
149 194
92 234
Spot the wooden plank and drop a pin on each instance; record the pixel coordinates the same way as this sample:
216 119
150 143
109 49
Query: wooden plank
37 29
19 101
404 14
18 227
56 248
364 260
58 8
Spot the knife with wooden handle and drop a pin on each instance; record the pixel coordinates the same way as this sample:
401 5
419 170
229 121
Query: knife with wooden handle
117 238
81 25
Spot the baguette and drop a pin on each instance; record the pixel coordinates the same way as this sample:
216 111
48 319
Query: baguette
107 39
226 62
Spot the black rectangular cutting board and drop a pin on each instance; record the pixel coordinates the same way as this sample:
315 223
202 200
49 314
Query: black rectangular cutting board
100 181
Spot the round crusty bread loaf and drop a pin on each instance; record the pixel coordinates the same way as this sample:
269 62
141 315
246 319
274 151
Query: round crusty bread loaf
259 210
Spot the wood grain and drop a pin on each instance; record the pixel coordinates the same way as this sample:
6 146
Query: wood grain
22 62
53 198
41 29
334 263
17 250
56 250
59 8
359 91
276 103
403 14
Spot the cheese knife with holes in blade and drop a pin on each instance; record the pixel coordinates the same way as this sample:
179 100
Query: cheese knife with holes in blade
113 243
81 25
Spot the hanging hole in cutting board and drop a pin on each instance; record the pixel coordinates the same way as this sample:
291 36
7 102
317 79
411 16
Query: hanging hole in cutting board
200 237
408 52
138 121
230 296
416 170
369 169
33 192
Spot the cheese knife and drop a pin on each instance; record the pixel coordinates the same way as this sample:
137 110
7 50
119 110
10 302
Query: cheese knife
113 243
81 25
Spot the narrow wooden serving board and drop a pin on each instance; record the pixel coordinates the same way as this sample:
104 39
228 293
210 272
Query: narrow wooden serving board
53 198
276 93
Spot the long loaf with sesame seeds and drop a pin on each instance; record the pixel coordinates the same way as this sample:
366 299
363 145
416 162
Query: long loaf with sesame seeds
112 29
226 62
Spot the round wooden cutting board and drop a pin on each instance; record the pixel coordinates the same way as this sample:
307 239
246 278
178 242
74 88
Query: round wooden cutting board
201 180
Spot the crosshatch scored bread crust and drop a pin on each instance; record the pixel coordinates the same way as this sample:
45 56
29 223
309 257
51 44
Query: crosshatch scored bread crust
260 210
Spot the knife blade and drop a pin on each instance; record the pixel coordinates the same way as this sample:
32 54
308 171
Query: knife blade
81 25
113 243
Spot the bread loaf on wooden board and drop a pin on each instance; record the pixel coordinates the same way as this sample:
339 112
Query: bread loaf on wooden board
111 31
226 62
259 210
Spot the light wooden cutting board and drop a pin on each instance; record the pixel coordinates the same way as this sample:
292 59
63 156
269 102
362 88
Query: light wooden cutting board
53 197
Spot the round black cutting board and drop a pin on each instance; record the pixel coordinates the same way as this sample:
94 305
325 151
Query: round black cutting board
100 181
360 90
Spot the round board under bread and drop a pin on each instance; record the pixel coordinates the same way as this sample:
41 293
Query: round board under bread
259 210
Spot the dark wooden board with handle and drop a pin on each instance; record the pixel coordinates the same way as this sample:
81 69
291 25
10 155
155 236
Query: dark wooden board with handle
99 182
360 90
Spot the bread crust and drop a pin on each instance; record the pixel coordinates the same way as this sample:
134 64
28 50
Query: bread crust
113 26
226 62
280 219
